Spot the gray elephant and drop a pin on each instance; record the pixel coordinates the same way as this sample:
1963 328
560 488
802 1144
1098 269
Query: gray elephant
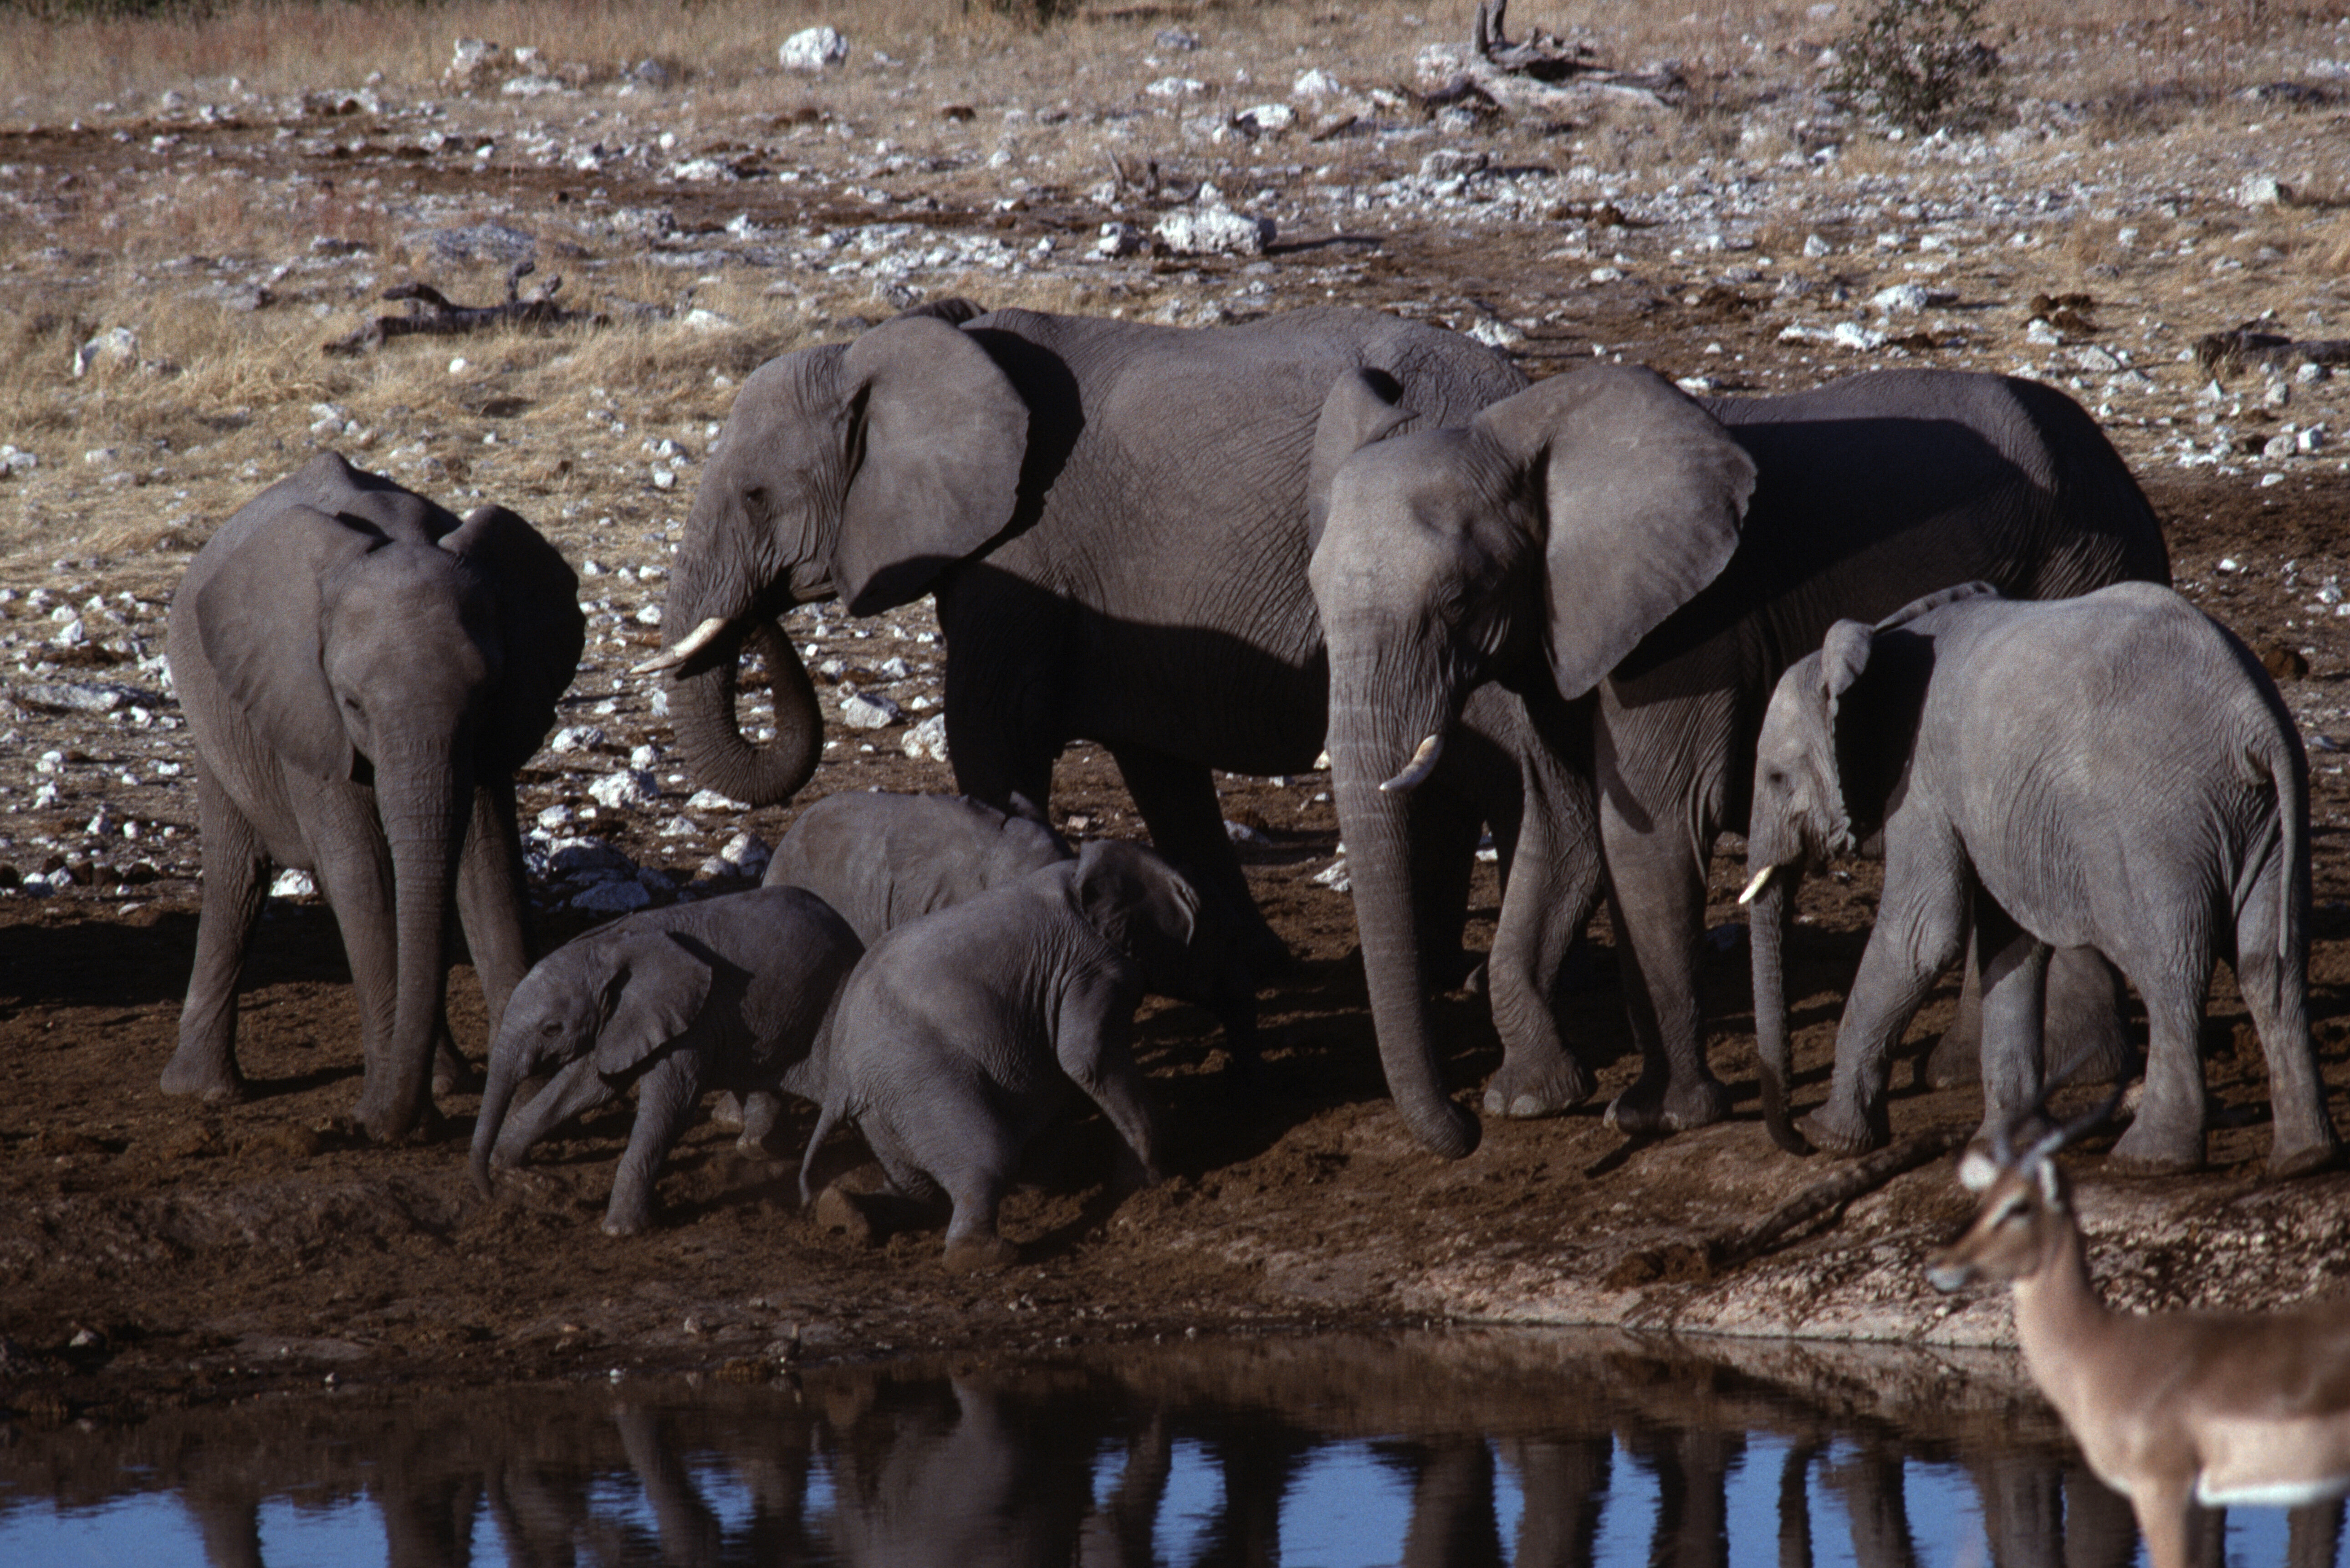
725 993
1641 566
961 1036
362 673
2114 771
882 859
1112 517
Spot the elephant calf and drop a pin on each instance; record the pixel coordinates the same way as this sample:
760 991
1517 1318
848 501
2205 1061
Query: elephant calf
2114 772
880 860
961 1035
725 993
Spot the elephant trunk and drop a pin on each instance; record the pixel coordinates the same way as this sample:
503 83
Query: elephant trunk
703 696
506 1074
1371 743
1772 906
426 803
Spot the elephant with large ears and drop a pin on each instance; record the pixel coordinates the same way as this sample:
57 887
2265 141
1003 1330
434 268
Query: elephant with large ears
362 672
1112 517
1582 543
2114 771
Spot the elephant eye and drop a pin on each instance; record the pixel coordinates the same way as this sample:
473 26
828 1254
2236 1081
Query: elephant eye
551 1028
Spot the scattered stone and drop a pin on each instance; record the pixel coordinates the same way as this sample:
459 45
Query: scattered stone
1334 877
475 61
625 788
1315 82
860 711
927 739
2263 190
1214 232
116 349
81 697
480 241
1118 239
292 884
1182 40
813 49
614 898
578 738
1176 86
588 860
747 854
1243 833
1265 119
711 800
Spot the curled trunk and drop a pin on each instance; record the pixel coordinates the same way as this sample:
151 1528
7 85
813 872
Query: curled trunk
702 704
1772 909
506 1074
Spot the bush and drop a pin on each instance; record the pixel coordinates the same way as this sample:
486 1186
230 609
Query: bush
1920 64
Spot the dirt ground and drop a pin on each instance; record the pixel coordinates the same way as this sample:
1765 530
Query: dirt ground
154 1250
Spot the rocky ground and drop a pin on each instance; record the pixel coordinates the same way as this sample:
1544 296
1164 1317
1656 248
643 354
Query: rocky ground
182 258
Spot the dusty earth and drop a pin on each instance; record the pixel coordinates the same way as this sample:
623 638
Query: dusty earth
152 1250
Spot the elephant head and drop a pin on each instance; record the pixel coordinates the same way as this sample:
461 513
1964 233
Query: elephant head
1540 542
594 1014
1147 911
387 643
1834 742
860 471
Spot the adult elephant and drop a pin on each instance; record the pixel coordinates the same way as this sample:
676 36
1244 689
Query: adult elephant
1584 540
362 671
1112 517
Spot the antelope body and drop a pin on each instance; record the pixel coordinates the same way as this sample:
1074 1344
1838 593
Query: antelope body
2221 1408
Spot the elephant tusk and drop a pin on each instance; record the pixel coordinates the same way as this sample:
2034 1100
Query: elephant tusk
1754 888
1415 771
700 638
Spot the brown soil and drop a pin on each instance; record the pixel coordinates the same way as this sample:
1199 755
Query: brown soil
154 1250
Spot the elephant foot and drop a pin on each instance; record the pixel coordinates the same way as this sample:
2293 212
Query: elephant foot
2303 1156
1844 1136
1651 1108
627 1222
838 1209
1524 1090
214 1086
455 1075
979 1254
2147 1149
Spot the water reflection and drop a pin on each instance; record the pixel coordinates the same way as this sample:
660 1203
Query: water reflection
1464 1450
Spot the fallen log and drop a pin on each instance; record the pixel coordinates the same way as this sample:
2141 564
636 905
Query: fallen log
430 313
1540 74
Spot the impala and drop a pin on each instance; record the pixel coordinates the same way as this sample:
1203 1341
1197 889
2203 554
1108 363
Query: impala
2222 1407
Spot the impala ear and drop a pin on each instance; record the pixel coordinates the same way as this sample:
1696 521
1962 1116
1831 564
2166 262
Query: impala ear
259 616
1364 406
540 627
1976 1171
1643 493
937 437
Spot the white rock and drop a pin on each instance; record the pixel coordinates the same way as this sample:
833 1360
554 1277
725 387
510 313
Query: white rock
1334 877
649 614
293 884
2311 440
578 738
1495 333
1241 833
896 669
555 816
1315 83
614 898
711 800
532 86
927 739
1267 118
1901 299
1853 335
1117 240
625 788
2104 361
813 49
860 711
1214 231
2278 446
71 634
114 349
589 859
703 320
2038 330
1176 86
2262 190
473 59
1816 247
748 854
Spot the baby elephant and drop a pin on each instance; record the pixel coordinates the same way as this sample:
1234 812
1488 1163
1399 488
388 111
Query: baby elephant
2114 772
961 1035
883 859
726 993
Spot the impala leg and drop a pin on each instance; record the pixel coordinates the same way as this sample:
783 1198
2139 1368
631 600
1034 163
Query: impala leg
2162 1519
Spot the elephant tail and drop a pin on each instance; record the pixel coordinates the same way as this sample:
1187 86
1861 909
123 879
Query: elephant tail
826 1119
2288 769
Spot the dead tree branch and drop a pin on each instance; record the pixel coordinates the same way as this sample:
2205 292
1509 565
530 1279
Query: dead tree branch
430 313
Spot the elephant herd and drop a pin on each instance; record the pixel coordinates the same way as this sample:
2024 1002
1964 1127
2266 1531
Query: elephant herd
1566 612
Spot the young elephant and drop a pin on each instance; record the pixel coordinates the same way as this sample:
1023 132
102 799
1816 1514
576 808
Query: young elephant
725 994
962 1033
880 860
2114 771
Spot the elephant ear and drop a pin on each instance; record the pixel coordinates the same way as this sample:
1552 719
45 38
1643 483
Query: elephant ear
540 628
1642 493
658 987
939 433
259 616
1364 406
1135 900
1844 659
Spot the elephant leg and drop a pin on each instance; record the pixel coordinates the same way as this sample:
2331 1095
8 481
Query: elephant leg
2275 989
1922 928
355 873
1551 888
2015 984
235 871
2166 1137
1178 804
2084 1017
1657 899
970 1154
1098 1056
495 911
668 1093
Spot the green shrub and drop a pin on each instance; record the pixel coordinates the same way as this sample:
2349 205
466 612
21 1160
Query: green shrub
1920 64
